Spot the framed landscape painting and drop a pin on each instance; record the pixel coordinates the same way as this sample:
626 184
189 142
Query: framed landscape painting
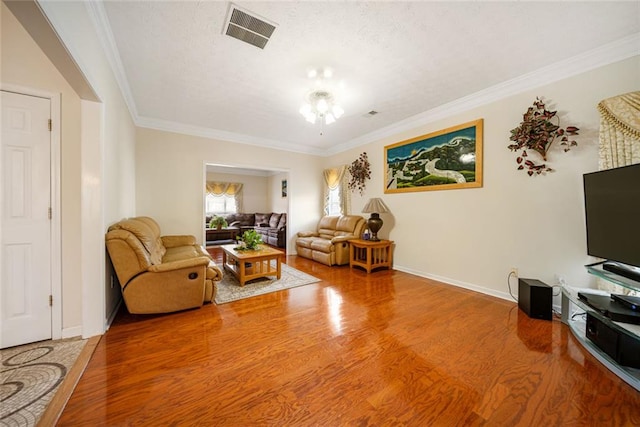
444 160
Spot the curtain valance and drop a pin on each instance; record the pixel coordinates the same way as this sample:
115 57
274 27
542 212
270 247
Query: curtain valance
229 189
223 188
333 176
619 130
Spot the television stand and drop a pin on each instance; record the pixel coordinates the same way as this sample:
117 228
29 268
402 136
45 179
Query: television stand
617 340
622 270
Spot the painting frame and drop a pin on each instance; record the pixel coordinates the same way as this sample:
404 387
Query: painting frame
462 146
283 188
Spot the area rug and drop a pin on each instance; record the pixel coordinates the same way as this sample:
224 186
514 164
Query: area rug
29 377
229 288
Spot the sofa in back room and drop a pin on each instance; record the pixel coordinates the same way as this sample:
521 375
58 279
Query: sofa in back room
273 231
272 226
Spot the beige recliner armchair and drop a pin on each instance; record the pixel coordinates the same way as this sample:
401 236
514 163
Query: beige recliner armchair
330 243
160 274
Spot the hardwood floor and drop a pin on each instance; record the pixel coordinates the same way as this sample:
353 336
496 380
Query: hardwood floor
387 348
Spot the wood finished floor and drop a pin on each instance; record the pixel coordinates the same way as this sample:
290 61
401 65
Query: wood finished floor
383 349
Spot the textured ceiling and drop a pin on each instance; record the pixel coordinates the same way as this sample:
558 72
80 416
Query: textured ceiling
398 58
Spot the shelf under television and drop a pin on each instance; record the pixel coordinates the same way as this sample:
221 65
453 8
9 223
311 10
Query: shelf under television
574 313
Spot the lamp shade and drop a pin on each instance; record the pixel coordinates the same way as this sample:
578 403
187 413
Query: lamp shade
375 205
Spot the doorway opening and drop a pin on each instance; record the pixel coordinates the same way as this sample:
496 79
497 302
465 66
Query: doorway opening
261 191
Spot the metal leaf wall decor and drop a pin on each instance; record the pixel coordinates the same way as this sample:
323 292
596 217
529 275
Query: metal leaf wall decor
538 130
360 171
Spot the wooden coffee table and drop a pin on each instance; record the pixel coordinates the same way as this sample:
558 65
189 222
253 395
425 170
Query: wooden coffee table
251 264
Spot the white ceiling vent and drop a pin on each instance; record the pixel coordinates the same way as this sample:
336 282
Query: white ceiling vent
248 27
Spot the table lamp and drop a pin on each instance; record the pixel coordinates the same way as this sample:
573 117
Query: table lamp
375 207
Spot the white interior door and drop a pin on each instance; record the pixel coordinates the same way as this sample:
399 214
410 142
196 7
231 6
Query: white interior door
25 248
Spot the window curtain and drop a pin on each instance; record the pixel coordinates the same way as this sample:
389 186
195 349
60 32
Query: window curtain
619 145
231 189
334 178
619 131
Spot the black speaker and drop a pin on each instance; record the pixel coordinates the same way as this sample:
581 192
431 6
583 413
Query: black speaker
535 298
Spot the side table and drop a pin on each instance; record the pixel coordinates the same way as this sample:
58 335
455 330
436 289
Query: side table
370 254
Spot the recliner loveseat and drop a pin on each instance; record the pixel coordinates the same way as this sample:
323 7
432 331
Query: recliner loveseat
160 274
329 244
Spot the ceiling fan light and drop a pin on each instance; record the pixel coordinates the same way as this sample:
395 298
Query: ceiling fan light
322 106
319 105
329 119
310 114
305 110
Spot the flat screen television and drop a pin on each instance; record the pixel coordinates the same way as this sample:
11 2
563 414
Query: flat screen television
612 210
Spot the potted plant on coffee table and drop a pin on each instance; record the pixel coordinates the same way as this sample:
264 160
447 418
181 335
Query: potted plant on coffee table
218 222
249 240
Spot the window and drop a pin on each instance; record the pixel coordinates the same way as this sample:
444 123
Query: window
223 197
333 204
336 193
222 204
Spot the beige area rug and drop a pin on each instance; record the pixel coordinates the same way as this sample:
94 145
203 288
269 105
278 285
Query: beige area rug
29 377
229 288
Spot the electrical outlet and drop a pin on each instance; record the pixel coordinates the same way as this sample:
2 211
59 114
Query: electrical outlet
514 271
112 282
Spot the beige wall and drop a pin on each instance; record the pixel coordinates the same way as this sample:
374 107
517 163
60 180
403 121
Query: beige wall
254 190
277 203
170 170
98 168
472 237
73 23
108 159
24 64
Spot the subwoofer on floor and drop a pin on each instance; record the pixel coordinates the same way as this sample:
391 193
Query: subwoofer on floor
535 298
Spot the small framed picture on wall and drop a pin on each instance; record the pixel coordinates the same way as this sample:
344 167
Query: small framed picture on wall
284 188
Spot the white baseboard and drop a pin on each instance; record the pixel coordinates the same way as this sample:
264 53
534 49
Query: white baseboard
75 331
458 283
470 286
112 316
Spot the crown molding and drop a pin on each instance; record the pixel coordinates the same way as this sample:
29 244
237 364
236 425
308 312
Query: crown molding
204 132
610 53
98 16
616 51
100 22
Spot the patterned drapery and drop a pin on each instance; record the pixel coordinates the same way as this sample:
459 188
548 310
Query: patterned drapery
619 145
619 131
